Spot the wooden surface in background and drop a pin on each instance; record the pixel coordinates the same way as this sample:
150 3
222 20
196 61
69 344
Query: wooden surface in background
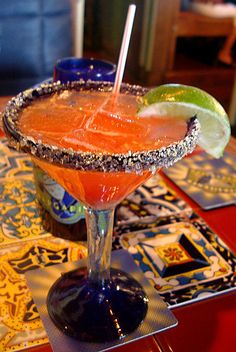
189 24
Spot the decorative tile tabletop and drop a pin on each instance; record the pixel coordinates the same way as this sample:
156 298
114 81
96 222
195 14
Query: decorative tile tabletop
180 256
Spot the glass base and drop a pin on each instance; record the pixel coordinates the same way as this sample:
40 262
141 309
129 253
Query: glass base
93 312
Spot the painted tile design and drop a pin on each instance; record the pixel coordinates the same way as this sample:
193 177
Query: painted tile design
24 246
152 200
185 260
20 325
209 182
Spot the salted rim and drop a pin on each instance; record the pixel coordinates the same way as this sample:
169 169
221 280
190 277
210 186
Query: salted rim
129 162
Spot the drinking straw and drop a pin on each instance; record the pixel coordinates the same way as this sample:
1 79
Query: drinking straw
124 48
120 65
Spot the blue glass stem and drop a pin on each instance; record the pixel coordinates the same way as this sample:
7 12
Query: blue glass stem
99 237
97 304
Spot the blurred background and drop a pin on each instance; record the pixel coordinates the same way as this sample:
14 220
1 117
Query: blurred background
172 41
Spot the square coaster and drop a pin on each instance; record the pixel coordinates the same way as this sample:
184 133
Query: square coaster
209 182
184 260
152 200
158 318
20 324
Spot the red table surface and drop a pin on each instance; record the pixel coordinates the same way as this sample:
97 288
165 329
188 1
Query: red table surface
206 326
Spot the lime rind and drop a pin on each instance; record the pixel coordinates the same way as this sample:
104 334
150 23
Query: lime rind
183 94
184 102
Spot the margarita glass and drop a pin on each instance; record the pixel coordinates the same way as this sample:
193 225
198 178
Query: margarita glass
99 152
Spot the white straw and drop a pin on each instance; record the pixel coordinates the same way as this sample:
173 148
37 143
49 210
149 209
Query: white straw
124 48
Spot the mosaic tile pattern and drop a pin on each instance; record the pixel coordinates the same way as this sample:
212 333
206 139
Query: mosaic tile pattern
20 325
24 246
150 201
209 182
184 260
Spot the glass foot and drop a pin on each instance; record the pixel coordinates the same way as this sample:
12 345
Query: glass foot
95 313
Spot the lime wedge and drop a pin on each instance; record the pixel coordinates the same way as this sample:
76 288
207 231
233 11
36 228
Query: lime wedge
184 102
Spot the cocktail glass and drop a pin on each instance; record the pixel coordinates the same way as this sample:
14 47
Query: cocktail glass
96 303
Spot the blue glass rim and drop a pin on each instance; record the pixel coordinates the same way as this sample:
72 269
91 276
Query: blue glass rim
75 68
